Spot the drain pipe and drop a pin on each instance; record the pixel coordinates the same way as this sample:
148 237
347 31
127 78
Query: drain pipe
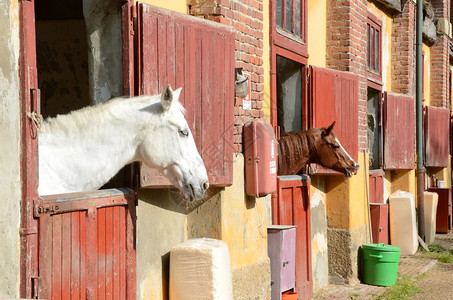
420 171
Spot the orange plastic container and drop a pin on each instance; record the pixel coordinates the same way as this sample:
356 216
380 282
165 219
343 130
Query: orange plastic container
289 296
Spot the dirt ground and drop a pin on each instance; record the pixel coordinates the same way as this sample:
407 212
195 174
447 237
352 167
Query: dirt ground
437 283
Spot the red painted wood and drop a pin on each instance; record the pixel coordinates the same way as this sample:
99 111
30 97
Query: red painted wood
437 136
379 223
444 209
86 247
334 96
29 171
399 131
198 56
293 208
376 187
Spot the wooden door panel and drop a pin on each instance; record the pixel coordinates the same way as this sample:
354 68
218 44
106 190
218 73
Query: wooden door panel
291 206
86 245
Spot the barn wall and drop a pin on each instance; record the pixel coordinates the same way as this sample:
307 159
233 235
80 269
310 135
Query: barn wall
163 222
10 184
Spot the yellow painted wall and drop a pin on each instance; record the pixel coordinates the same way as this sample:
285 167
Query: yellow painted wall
244 221
317 20
426 74
346 198
175 5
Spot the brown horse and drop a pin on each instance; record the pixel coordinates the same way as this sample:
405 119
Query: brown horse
316 145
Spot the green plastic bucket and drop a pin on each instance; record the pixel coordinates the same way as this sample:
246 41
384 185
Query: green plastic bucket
380 264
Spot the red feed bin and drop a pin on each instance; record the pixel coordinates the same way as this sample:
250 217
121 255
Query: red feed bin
260 150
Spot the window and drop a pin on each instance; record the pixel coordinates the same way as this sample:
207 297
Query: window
289 25
289 94
374 48
288 30
374 128
289 17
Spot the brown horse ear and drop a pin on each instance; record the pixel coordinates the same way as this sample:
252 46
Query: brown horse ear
329 129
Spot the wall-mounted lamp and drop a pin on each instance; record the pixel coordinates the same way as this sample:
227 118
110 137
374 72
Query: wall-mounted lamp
241 84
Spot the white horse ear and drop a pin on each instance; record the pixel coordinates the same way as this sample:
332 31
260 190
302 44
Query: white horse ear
167 97
177 93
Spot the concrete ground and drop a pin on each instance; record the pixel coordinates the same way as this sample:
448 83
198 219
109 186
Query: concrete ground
432 285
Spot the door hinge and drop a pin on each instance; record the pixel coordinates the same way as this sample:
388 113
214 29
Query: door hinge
28 231
35 287
133 20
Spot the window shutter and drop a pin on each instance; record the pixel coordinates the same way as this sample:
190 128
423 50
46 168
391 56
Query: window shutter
197 55
437 125
335 97
399 131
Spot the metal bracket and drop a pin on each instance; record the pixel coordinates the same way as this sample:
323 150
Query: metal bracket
40 208
35 287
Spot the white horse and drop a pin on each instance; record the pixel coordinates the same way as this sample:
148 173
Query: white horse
83 150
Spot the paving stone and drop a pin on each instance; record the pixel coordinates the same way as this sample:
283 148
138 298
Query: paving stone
408 265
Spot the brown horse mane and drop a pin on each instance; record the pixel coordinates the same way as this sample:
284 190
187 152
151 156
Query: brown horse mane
299 149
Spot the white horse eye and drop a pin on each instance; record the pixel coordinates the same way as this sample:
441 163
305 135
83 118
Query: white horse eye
184 132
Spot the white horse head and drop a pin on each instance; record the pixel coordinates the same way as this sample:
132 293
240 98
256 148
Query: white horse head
175 154
83 150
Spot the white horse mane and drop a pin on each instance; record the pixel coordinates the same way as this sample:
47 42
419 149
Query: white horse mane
111 110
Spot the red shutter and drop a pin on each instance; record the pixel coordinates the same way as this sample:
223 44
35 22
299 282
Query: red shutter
335 97
197 55
437 126
399 131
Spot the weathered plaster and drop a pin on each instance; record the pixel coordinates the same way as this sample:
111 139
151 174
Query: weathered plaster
160 226
10 184
320 262
103 23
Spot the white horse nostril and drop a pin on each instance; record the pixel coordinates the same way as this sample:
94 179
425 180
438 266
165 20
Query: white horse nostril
205 185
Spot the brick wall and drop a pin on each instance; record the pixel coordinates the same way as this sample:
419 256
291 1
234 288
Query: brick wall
403 51
440 59
347 47
247 18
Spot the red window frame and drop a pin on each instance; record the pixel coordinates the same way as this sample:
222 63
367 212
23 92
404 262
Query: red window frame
292 47
287 39
374 50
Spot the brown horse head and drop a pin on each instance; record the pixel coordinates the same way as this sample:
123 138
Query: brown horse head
331 154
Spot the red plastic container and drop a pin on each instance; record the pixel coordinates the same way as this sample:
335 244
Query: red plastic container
260 149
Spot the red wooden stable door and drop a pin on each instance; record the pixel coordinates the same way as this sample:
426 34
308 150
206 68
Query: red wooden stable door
86 245
291 206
